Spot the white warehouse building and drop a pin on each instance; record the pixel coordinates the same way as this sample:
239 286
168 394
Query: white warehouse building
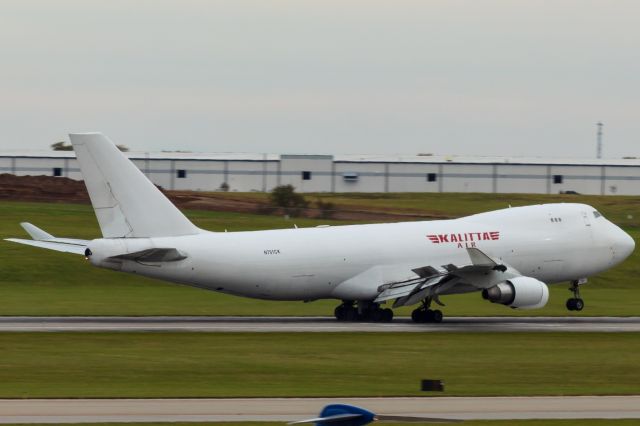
356 173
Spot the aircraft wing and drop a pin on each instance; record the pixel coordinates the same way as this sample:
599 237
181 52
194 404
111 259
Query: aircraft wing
45 240
432 280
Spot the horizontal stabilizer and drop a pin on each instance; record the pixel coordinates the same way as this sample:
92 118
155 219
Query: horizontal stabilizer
51 245
36 233
45 240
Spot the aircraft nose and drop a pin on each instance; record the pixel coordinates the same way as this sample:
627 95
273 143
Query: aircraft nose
623 245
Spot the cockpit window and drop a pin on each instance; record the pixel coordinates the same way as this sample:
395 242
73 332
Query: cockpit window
596 214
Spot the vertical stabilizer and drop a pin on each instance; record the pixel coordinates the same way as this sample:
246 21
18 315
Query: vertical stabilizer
126 203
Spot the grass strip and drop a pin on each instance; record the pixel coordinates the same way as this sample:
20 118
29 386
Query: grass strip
325 364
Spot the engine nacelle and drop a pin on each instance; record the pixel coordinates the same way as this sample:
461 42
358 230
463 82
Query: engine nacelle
519 292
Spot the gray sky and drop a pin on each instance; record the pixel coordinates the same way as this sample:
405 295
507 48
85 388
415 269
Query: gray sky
346 76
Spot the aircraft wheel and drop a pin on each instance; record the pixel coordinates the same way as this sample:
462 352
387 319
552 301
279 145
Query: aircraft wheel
569 304
579 304
417 315
387 315
428 316
339 312
436 316
350 314
376 315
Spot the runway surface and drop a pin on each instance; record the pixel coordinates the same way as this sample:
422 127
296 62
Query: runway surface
319 324
288 409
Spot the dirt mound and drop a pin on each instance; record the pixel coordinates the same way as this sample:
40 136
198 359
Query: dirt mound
64 190
42 188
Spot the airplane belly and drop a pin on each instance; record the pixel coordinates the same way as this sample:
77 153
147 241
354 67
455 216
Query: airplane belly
304 282
274 278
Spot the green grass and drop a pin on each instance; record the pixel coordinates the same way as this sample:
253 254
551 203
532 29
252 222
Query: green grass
616 208
41 282
310 364
622 210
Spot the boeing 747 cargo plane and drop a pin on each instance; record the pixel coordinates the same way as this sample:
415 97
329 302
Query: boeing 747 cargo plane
508 256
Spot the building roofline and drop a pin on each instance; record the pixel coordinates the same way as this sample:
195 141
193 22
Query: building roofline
345 158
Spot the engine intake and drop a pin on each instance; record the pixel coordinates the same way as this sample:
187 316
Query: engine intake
519 292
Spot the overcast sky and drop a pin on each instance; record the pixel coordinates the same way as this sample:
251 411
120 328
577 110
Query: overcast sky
515 78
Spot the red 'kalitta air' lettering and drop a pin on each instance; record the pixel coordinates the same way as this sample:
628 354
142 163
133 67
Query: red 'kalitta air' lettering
467 239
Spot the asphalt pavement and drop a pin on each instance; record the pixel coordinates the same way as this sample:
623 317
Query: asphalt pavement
289 409
319 324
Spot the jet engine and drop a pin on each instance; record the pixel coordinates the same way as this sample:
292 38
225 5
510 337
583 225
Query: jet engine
519 292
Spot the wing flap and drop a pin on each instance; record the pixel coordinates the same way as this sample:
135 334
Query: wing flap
431 280
407 288
479 258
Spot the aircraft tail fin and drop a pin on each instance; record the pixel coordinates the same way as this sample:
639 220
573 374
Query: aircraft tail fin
126 203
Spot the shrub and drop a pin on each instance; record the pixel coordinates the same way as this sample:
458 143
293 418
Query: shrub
286 197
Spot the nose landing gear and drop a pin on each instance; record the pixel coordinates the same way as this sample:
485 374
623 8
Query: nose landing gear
576 303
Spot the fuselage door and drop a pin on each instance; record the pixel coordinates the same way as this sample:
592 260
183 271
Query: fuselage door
586 218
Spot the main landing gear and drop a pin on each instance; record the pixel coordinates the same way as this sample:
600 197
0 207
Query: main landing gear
424 314
364 311
576 303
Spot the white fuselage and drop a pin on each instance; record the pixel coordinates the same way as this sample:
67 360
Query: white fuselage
551 242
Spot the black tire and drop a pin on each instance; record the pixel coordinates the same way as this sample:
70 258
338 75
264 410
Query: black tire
428 316
571 304
339 313
437 316
350 314
376 315
387 315
579 304
417 315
